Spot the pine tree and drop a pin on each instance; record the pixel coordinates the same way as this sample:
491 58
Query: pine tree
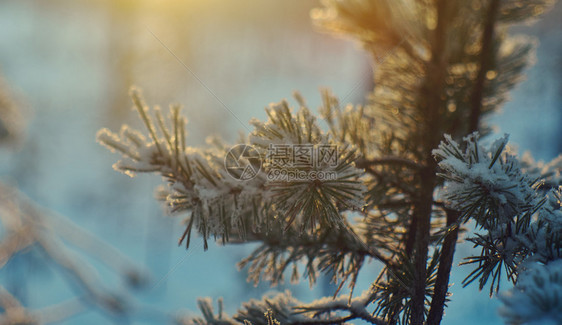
395 180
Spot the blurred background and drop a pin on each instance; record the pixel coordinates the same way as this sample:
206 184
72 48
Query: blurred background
66 68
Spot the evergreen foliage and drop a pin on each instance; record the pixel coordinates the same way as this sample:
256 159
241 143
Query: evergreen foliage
401 194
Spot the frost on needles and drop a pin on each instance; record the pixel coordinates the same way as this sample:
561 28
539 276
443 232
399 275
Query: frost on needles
295 220
224 207
402 195
517 204
520 214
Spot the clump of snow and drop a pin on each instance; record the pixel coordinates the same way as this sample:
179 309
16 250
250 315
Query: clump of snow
485 183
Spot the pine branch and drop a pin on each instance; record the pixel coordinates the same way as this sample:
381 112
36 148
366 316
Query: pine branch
26 226
290 217
445 67
338 252
284 309
356 308
347 125
394 288
15 314
489 186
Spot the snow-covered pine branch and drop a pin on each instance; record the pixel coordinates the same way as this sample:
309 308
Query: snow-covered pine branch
221 205
258 209
283 309
440 68
486 184
522 220
536 299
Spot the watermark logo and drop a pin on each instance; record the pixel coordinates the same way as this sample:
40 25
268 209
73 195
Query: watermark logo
284 162
297 175
302 156
301 162
242 162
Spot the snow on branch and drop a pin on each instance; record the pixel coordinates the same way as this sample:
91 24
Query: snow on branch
536 299
282 308
225 207
259 206
521 216
486 184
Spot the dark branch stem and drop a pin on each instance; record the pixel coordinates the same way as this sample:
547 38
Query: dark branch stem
448 249
486 60
444 271
432 105
422 219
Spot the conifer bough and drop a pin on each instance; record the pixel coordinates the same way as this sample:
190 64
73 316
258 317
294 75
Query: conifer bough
411 175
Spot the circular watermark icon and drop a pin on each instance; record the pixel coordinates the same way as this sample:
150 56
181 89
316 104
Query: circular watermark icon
242 162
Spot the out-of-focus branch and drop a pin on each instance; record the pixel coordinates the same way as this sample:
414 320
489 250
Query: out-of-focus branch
11 244
14 312
27 224
95 247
